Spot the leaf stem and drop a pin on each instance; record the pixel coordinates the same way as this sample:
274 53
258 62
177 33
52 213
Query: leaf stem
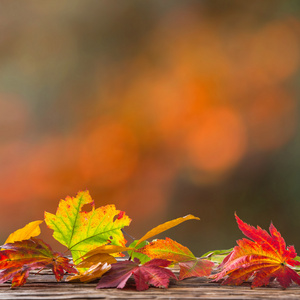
125 233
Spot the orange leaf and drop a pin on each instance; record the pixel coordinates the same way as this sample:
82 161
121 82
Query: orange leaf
167 249
110 249
165 226
264 258
95 259
32 229
170 250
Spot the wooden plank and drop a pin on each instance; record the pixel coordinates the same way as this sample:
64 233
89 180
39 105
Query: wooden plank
44 286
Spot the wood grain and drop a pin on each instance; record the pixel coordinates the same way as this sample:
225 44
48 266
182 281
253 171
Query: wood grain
44 286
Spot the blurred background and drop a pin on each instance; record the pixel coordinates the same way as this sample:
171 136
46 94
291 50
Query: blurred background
162 108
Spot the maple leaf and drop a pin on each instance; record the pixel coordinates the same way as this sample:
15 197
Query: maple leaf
169 249
264 257
19 258
82 231
153 272
32 229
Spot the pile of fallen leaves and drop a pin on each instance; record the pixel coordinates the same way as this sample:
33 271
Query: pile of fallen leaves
95 238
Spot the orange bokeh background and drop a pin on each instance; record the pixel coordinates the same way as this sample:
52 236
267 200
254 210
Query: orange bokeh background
162 108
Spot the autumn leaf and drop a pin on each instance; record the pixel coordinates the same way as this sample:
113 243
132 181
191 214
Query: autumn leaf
32 229
153 273
94 264
103 254
82 231
165 226
94 272
94 259
168 249
264 257
195 268
19 258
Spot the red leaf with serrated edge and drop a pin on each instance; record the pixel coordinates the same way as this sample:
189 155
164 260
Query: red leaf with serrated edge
153 272
195 268
19 258
263 258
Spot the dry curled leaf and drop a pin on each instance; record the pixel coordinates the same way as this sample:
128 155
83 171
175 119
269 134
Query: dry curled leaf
94 272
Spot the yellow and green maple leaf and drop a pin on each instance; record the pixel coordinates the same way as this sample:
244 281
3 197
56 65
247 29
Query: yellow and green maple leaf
82 231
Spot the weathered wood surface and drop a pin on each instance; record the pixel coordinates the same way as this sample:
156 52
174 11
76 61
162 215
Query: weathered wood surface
44 286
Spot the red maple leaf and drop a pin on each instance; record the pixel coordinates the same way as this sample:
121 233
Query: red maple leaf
19 258
153 272
263 258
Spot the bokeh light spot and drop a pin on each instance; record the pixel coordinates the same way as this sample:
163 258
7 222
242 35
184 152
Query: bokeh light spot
274 53
218 142
109 153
